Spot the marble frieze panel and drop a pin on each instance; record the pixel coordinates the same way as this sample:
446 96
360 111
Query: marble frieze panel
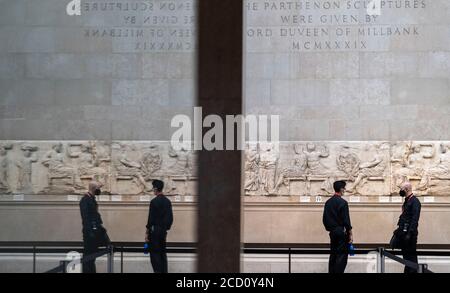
371 168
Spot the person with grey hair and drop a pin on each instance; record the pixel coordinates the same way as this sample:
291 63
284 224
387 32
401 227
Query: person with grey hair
408 224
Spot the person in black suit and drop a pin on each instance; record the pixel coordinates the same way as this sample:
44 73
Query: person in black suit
160 220
408 224
336 219
94 234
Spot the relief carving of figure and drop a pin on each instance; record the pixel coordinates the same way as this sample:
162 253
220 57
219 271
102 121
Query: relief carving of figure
412 164
442 169
314 154
90 164
439 171
252 180
130 168
372 168
401 153
151 161
55 161
297 169
24 166
268 167
181 165
4 168
348 162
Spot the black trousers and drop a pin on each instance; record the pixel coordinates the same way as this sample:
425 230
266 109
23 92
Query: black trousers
339 251
90 247
409 252
158 255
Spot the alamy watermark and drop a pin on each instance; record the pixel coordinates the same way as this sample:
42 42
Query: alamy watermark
374 7
74 265
223 134
73 8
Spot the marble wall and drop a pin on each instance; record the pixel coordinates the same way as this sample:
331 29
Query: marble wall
334 73
360 98
119 71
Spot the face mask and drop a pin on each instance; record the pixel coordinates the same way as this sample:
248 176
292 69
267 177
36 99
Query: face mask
98 191
402 193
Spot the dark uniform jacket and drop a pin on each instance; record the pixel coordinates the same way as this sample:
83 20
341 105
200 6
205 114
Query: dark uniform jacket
409 219
160 214
90 216
336 214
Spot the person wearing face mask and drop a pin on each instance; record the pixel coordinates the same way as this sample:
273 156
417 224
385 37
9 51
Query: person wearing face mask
408 224
94 234
336 219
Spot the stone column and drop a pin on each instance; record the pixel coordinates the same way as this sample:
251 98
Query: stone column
220 93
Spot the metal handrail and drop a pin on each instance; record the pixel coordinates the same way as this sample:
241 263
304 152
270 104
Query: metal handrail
62 268
383 253
190 247
77 244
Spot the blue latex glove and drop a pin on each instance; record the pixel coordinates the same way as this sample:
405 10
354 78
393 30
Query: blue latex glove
351 249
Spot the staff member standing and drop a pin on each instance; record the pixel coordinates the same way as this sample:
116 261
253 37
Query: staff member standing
94 235
160 220
336 219
408 224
